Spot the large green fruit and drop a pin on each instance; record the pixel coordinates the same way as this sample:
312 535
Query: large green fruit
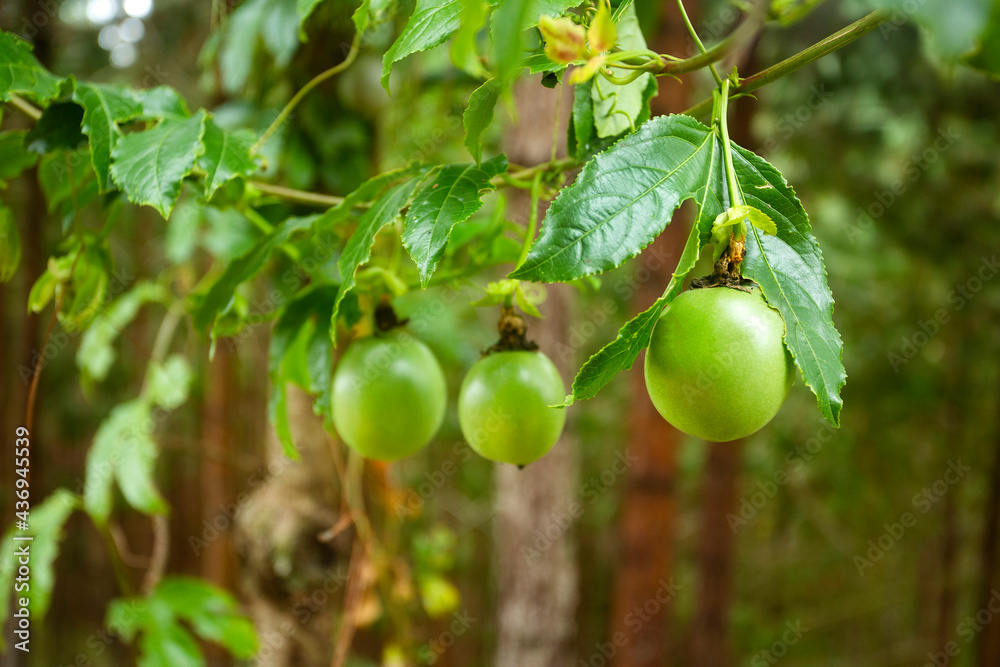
389 396
503 406
716 366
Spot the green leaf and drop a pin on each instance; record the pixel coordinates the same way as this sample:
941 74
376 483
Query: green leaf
361 16
738 214
789 269
479 114
227 156
954 28
617 109
41 292
150 166
309 314
123 451
96 353
167 383
987 56
57 129
84 288
45 527
359 246
10 245
275 23
13 157
62 175
540 63
507 37
633 337
207 306
305 8
156 619
432 22
21 73
547 7
623 199
464 47
104 107
161 102
450 197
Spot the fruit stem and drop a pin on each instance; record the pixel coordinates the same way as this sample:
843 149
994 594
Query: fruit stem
513 331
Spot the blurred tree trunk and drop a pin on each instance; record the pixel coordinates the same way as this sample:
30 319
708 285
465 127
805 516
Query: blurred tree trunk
989 641
538 588
710 644
649 502
217 506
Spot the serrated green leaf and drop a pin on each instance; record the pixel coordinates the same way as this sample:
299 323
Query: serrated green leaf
227 156
123 451
150 166
45 527
617 109
57 129
361 16
10 245
96 354
104 106
21 73
359 246
623 199
789 269
432 22
633 337
207 306
13 157
450 197
478 116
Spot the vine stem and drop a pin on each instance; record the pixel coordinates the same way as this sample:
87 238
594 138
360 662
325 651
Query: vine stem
529 233
697 39
735 198
837 40
304 90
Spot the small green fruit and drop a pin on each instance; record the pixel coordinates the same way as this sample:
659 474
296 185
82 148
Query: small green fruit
716 366
503 406
389 396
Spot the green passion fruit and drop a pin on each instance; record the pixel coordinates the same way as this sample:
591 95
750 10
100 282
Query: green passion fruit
716 366
503 406
389 396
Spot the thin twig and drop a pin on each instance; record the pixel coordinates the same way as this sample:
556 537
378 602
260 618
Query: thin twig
824 47
25 107
315 81
352 597
157 559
